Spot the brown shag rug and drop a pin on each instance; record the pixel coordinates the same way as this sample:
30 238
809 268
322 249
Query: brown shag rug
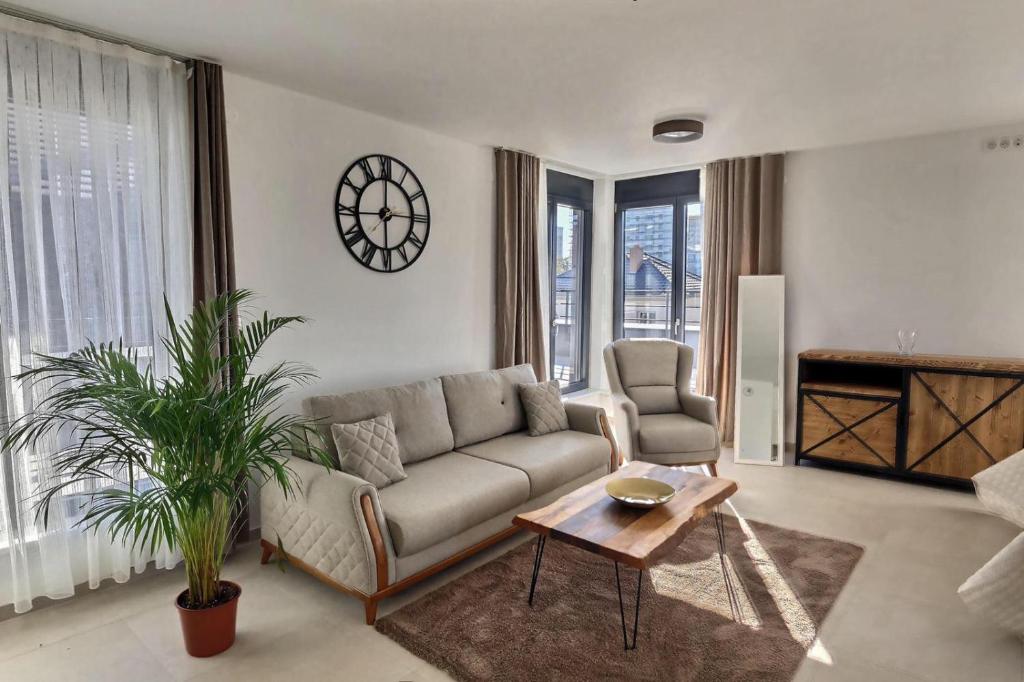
479 626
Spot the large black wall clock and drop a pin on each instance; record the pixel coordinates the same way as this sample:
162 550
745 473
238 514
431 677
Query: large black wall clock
382 213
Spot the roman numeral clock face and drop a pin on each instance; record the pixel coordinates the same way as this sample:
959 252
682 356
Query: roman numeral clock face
382 213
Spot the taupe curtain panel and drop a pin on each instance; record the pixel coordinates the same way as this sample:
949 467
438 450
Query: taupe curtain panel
213 241
520 323
742 236
213 253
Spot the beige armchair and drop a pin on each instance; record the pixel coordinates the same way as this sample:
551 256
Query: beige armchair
657 418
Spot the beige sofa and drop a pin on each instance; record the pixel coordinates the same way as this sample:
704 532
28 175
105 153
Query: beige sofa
471 467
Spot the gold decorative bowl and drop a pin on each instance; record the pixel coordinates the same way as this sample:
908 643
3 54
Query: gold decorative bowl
640 493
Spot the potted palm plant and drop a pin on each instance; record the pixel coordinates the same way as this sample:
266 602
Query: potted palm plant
167 460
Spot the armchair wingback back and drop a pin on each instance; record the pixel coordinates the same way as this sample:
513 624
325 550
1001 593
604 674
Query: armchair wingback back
657 418
652 372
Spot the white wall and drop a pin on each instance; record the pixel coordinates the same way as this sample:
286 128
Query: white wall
287 153
924 233
602 280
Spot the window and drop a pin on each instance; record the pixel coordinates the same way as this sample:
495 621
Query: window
94 234
69 186
569 225
659 246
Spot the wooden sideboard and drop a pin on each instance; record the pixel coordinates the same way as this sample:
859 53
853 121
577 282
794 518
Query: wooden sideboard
940 418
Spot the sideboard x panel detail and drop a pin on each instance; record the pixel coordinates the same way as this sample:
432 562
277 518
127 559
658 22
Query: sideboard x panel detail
862 430
963 423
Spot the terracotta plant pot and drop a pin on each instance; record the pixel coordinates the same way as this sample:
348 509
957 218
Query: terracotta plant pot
211 630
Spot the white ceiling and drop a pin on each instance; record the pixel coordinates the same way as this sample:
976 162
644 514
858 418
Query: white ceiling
582 81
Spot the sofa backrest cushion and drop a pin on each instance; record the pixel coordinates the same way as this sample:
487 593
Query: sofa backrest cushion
651 371
418 411
485 405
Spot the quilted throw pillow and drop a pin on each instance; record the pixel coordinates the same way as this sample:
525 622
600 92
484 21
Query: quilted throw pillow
369 450
545 412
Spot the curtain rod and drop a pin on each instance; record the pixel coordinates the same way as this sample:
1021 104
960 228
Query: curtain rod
98 35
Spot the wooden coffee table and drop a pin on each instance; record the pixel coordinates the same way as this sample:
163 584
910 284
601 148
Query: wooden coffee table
589 519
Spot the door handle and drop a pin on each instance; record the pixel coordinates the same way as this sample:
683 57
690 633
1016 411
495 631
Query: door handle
676 332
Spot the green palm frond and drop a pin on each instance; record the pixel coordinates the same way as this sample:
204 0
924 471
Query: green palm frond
167 459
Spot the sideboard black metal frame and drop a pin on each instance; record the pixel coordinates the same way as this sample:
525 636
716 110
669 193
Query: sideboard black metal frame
900 471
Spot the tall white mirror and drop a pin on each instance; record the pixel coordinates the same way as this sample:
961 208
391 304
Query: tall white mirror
760 430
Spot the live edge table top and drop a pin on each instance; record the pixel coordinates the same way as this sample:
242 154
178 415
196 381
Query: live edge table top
592 520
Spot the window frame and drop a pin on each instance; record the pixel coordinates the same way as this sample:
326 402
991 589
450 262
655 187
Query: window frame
679 203
585 253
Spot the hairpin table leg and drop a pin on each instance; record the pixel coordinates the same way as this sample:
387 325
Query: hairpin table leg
628 645
541 540
730 589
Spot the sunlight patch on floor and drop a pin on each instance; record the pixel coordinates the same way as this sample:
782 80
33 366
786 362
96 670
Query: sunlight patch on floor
800 625
702 584
819 653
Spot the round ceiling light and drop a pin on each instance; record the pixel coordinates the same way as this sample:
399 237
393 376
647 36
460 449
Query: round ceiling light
679 130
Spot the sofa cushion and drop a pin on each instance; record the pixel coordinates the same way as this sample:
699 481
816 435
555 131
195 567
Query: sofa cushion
369 450
542 403
654 399
484 405
665 433
418 411
549 460
446 495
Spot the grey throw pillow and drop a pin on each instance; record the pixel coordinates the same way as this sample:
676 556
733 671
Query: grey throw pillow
369 450
545 412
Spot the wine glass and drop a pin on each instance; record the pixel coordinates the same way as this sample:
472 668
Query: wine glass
905 339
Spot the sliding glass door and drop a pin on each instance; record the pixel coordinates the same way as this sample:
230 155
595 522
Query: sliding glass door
570 208
659 249
569 244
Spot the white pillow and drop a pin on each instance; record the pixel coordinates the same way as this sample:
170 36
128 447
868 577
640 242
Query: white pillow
1000 488
996 591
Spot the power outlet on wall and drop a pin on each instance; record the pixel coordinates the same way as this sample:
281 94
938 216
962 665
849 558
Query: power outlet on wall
1004 143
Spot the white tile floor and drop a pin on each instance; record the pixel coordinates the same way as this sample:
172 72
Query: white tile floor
898 618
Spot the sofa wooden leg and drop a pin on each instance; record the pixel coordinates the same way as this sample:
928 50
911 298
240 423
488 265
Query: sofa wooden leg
713 467
268 551
371 611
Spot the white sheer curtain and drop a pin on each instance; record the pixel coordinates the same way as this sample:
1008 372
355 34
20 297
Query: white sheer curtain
95 230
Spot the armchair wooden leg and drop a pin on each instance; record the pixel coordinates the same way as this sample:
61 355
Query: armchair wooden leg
713 467
371 611
268 551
